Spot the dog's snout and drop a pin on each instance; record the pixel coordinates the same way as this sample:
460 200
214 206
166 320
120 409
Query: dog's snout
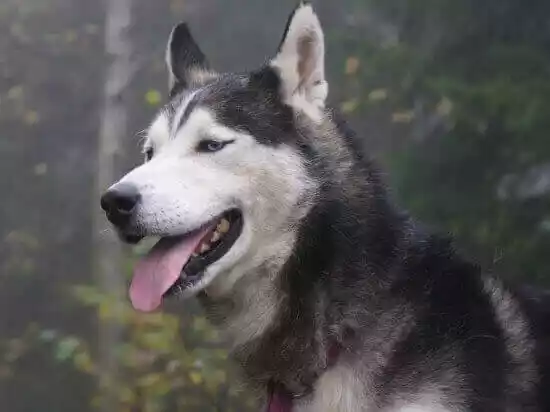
119 202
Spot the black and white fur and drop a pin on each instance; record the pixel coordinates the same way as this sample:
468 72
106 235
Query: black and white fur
324 257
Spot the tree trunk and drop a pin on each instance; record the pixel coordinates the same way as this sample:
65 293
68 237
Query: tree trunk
109 256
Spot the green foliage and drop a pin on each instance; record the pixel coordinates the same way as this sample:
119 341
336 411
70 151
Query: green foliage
165 361
161 362
470 94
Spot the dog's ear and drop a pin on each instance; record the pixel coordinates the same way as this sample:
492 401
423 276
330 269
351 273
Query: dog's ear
184 58
300 60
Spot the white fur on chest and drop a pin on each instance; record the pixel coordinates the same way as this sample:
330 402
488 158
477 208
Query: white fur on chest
341 389
337 390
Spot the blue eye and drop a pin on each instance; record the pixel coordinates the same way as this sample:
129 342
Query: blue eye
211 146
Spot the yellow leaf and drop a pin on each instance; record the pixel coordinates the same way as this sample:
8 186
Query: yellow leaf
83 362
403 117
352 65
153 97
31 117
444 107
378 94
350 106
104 311
195 377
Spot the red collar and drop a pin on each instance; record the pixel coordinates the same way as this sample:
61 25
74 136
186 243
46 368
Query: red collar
280 400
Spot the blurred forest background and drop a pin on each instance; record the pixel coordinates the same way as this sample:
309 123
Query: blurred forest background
453 97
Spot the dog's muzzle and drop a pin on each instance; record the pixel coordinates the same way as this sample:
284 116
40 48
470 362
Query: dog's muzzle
119 203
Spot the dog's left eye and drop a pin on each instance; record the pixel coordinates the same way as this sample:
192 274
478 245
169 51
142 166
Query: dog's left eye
210 146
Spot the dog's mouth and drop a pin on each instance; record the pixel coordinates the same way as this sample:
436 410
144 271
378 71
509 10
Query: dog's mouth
178 263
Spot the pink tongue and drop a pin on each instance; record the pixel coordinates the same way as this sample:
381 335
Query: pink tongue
160 269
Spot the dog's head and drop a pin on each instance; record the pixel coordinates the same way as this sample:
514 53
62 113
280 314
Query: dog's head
225 178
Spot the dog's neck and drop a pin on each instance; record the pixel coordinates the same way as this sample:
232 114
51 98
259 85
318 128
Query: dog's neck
254 319
246 308
280 317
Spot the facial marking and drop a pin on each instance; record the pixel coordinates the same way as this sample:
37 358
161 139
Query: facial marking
184 111
168 122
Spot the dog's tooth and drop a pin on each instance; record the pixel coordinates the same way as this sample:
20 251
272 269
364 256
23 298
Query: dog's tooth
215 236
223 227
204 248
194 254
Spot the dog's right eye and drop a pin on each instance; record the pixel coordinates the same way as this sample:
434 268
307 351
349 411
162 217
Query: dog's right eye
149 154
211 146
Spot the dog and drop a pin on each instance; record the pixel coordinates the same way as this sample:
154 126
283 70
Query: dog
270 212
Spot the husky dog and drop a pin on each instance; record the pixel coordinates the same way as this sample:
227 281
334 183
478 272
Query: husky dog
333 300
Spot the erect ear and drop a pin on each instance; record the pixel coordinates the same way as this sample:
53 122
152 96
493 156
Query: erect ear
184 58
300 61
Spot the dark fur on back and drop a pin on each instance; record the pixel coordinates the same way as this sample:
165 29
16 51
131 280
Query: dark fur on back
406 310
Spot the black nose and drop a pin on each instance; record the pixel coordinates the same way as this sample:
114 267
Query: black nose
119 202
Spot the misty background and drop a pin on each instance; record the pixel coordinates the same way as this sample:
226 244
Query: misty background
452 97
